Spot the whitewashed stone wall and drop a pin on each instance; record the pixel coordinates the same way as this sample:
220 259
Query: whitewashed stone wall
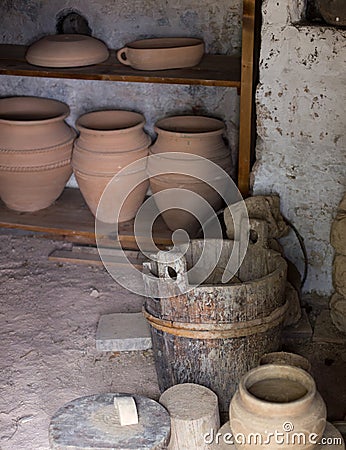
301 148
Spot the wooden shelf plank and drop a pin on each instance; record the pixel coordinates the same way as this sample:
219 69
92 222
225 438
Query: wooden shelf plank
214 70
70 217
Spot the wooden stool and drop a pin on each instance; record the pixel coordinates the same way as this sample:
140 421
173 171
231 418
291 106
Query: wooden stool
194 412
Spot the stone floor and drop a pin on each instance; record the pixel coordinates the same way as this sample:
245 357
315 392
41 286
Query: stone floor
48 318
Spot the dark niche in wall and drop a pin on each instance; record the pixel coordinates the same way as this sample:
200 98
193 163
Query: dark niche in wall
72 22
327 12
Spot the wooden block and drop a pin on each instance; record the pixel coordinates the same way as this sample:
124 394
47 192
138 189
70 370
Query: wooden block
127 410
194 411
325 330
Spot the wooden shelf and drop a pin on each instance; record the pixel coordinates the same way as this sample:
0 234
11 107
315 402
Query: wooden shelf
70 218
214 70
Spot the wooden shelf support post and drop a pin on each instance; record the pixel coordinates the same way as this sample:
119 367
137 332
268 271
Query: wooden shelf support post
246 96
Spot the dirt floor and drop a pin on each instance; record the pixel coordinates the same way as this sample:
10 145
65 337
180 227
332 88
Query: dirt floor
48 317
48 320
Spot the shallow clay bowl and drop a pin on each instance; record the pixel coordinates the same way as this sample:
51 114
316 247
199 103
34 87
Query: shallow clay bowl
162 53
67 50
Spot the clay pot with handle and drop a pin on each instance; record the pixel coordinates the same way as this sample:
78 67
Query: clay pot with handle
35 151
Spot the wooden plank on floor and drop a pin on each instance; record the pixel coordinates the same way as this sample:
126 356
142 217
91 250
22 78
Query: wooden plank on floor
69 217
93 258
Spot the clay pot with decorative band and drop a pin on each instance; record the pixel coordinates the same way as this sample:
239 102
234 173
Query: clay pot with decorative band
35 152
109 141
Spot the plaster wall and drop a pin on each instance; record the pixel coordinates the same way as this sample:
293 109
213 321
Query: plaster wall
121 21
301 130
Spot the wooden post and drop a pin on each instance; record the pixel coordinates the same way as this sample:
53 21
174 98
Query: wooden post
194 413
246 96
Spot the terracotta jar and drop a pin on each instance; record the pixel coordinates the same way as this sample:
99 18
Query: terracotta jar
108 142
35 151
112 131
198 135
207 176
278 406
93 187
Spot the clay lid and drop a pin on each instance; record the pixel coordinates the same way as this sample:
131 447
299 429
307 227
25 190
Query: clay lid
67 50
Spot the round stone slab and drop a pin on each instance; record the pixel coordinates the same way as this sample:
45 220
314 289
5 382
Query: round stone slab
93 423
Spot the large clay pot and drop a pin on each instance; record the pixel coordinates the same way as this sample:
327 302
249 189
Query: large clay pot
112 130
94 187
277 399
178 137
108 142
198 135
35 151
185 217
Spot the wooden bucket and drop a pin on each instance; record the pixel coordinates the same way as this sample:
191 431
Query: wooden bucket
215 333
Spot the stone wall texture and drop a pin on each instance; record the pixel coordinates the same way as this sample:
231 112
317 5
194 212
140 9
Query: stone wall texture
301 130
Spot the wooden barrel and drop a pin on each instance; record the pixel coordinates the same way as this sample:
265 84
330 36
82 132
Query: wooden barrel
213 334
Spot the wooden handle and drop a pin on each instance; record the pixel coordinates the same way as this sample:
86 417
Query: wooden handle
127 410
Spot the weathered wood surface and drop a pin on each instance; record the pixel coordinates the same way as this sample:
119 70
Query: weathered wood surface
93 423
246 128
90 256
194 411
213 70
70 218
193 345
